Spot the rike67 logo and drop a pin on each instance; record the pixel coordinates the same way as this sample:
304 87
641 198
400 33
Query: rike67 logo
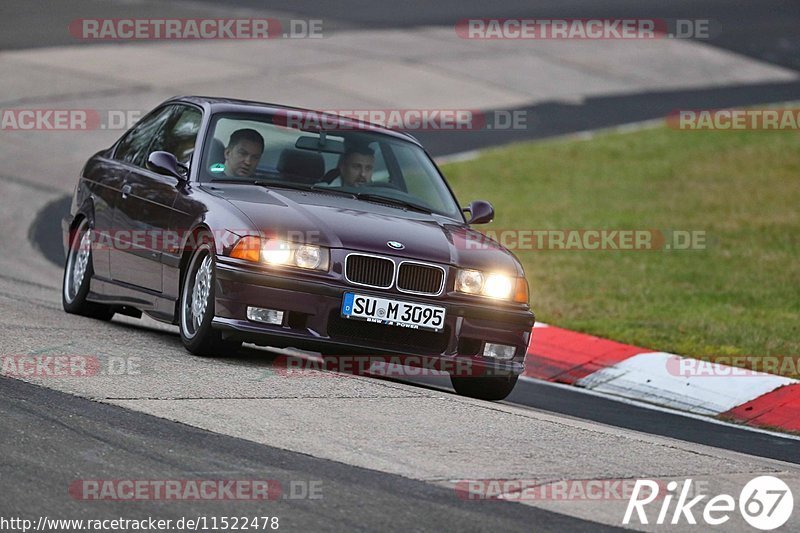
765 503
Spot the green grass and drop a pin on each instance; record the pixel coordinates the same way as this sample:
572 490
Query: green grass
739 296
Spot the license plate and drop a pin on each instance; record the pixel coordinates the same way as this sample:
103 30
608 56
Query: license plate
392 312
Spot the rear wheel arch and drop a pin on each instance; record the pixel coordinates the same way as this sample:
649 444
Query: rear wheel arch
78 271
85 211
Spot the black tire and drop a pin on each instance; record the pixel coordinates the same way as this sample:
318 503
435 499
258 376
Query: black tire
198 336
78 273
493 388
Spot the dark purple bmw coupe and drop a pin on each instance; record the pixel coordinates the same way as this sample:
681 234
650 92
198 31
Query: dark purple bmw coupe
248 222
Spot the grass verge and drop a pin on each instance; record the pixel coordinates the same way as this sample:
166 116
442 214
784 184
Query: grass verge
739 295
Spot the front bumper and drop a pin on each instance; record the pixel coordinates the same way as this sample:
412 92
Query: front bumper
311 304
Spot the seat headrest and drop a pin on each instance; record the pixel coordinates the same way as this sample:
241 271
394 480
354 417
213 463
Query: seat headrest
217 154
301 165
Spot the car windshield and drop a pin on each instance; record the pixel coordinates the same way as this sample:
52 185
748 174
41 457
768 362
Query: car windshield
347 159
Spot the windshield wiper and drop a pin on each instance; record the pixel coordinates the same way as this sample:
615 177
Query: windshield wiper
304 187
284 185
234 180
371 196
264 183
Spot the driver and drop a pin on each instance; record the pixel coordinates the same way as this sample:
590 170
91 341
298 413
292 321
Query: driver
243 153
355 167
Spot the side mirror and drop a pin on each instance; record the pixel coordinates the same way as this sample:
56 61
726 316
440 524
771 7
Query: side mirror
167 164
481 212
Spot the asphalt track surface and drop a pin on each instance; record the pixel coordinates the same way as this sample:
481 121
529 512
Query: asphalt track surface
60 438
764 30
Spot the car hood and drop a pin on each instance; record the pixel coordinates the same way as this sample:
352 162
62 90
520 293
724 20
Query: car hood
343 222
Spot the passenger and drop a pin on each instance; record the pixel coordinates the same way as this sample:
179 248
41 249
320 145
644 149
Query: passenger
243 153
355 167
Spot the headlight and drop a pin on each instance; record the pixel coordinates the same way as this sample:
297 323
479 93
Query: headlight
276 252
469 281
281 253
492 285
308 256
497 286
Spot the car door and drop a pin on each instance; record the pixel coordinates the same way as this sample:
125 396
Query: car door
102 179
130 151
143 211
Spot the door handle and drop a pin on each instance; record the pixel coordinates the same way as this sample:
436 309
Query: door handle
126 190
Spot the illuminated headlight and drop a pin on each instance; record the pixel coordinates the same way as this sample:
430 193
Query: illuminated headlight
276 252
492 285
281 253
498 286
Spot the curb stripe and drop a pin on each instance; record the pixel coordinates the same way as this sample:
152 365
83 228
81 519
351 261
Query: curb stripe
565 356
779 408
655 378
609 367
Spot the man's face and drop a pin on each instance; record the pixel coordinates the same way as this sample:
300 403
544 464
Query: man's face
242 158
356 170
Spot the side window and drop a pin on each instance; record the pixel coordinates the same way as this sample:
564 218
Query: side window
133 148
179 134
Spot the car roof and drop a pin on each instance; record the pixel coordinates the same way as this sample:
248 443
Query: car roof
233 105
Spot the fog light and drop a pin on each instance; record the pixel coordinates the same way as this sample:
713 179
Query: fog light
267 316
499 351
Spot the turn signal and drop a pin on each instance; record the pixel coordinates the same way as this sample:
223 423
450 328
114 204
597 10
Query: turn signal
521 291
248 248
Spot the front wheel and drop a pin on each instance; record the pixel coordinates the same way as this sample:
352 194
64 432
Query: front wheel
197 307
484 388
78 274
